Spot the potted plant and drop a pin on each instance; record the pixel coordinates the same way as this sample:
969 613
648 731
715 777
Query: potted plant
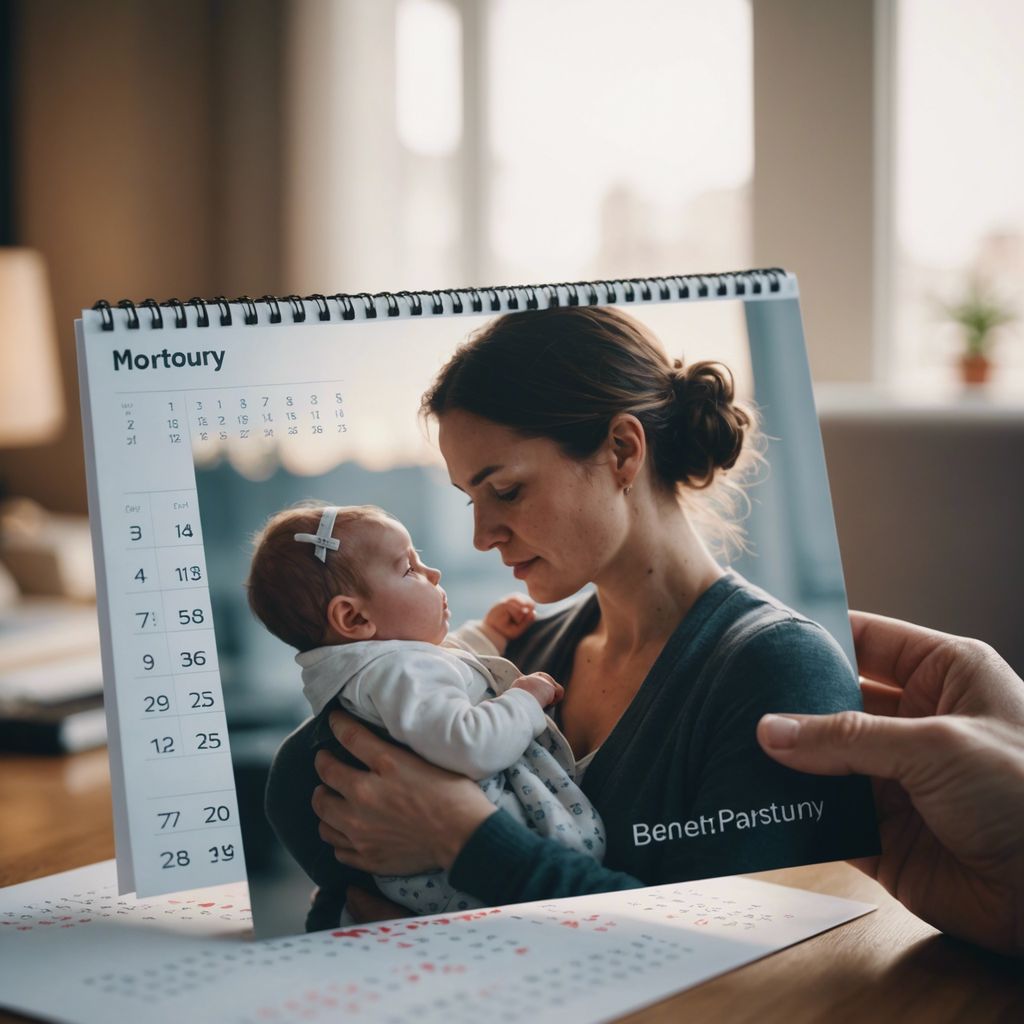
979 314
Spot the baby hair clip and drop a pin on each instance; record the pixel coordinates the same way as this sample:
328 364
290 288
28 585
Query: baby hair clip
322 539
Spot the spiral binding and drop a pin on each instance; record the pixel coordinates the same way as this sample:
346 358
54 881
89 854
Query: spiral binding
447 302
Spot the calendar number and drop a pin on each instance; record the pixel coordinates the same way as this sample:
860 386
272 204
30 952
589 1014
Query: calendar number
175 859
183 530
202 698
148 663
135 534
163 744
168 819
191 617
161 702
219 853
192 659
188 573
216 813
141 576
146 620
208 741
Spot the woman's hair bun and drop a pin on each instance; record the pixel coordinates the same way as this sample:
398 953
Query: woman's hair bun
709 425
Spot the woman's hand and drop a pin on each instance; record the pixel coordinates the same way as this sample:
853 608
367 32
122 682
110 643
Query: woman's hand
401 817
541 687
943 738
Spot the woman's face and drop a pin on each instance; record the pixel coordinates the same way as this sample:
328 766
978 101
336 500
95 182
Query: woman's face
554 520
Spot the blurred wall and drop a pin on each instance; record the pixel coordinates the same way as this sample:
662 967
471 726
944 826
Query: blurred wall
146 162
819 125
928 510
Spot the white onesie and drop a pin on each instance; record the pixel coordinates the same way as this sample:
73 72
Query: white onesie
452 705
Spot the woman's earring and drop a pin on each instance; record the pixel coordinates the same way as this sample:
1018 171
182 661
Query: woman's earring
627 489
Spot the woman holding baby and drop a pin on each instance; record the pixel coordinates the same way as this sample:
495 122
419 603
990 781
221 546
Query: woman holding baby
586 455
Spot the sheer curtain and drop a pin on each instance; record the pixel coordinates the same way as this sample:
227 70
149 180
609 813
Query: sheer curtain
373 160
433 143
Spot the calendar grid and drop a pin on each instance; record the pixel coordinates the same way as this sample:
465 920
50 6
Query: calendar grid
170 711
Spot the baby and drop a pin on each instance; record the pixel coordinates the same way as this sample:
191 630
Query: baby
346 587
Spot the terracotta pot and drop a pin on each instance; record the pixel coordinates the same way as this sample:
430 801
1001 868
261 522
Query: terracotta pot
975 369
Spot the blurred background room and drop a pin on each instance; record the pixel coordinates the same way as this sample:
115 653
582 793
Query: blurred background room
205 147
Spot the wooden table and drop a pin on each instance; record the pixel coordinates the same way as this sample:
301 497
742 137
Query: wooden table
55 815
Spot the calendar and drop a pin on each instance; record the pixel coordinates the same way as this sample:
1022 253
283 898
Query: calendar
152 414
191 956
206 420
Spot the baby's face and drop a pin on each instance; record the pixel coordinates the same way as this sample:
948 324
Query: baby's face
407 601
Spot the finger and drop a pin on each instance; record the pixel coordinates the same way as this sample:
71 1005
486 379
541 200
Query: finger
341 844
888 650
880 699
334 773
331 808
359 741
846 743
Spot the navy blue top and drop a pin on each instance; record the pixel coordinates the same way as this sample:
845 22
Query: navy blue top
683 787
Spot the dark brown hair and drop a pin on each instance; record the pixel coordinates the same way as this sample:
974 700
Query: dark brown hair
289 587
565 373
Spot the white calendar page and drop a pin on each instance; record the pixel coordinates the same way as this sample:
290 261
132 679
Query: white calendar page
191 957
197 431
176 817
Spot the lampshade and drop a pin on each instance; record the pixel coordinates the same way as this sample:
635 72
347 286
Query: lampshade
31 398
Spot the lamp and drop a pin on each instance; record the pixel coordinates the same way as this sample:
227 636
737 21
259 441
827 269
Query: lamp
31 397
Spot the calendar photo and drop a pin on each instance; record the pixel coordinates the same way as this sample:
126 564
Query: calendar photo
560 561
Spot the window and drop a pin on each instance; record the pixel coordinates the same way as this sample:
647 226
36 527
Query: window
958 200
619 138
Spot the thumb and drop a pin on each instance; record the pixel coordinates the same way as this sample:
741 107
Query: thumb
842 744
